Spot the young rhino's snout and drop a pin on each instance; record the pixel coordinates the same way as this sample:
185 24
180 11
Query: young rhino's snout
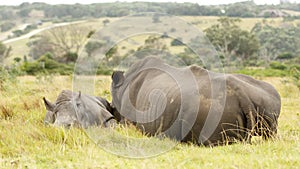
66 122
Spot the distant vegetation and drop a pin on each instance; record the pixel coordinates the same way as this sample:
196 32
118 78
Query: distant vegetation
118 9
264 50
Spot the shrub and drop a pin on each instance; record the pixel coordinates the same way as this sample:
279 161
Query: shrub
71 57
176 42
285 56
45 64
278 65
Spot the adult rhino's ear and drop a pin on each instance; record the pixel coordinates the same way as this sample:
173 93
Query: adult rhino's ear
49 106
117 78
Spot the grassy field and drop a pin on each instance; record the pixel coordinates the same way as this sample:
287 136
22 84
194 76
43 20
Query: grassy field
25 142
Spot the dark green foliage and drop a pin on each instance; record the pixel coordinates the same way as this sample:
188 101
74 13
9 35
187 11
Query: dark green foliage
45 64
18 33
91 33
17 59
28 28
176 42
278 65
70 57
278 42
235 44
79 11
241 9
285 55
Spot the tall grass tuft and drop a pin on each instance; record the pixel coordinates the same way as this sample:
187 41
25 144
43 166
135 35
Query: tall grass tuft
6 113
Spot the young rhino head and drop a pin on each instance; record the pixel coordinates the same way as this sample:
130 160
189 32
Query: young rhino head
74 109
63 112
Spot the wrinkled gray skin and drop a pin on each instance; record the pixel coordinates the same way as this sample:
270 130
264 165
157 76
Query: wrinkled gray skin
79 110
252 107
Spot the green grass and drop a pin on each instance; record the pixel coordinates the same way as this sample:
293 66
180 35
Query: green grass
268 72
25 142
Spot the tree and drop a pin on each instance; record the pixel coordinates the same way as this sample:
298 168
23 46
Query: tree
233 43
92 46
241 9
67 39
39 45
276 41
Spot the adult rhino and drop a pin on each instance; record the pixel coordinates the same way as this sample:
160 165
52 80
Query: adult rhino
192 104
76 109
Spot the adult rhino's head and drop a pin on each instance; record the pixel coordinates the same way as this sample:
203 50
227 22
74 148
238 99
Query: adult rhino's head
75 109
116 88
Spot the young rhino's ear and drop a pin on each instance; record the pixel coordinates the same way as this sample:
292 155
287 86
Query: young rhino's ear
49 106
117 78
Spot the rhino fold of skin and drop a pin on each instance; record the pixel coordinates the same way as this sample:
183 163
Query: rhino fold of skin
150 96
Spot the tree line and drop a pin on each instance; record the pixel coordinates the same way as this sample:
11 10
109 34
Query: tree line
118 9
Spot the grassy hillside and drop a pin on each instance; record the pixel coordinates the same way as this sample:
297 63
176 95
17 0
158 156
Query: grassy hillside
26 143
202 22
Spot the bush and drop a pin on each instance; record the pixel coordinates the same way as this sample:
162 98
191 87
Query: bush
285 56
176 42
278 65
71 57
45 64
18 33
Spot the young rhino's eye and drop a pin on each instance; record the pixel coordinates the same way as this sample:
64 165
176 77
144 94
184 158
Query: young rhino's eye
78 104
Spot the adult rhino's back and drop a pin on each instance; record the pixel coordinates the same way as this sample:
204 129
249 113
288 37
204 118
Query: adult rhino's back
213 107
